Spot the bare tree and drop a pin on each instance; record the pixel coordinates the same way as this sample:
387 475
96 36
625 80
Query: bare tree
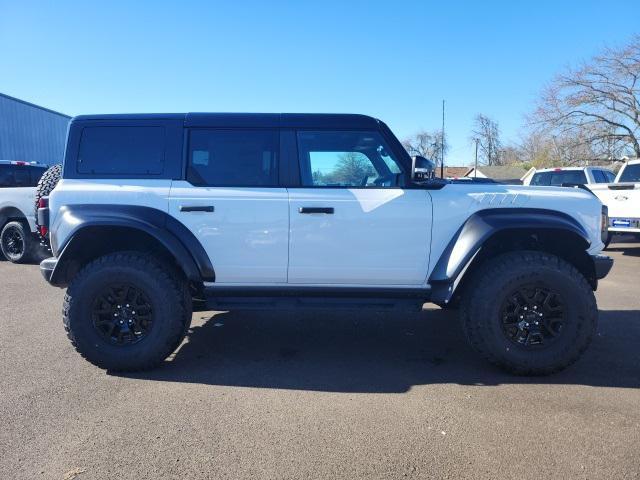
427 145
598 103
487 133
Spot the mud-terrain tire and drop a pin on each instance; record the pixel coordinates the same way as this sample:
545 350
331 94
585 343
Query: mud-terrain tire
17 243
114 286
501 306
46 184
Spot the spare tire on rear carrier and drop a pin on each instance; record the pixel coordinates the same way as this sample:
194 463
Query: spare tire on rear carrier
46 184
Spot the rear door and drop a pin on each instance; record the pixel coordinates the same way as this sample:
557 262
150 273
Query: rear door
352 221
232 203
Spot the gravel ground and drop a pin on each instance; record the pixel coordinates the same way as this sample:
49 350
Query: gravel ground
316 395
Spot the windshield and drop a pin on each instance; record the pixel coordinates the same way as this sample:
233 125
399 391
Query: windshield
557 178
631 173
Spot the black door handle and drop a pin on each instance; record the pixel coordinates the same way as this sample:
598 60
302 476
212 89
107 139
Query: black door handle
327 210
197 208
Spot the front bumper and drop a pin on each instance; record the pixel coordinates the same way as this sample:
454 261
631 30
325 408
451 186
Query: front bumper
602 265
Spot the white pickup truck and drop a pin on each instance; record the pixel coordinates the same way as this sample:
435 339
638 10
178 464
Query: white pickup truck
622 199
18 238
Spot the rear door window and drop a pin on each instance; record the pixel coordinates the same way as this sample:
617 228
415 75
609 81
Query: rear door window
233 158
122 150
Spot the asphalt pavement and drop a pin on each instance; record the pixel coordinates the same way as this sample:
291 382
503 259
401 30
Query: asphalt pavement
316 395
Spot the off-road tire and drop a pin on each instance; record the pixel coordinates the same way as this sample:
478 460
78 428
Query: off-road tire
46 184
166 291
29 243
488 289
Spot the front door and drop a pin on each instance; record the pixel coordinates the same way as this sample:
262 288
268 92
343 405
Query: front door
231 202
352 222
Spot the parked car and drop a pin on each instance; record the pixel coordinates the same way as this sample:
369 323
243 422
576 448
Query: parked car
570 176
18 239
623 199
158 215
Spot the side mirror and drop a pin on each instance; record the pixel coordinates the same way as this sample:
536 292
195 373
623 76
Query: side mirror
422 169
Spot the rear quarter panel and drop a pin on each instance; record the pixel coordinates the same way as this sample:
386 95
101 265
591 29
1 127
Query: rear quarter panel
139 192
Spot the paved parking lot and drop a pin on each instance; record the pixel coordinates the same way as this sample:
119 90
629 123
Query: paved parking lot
316 395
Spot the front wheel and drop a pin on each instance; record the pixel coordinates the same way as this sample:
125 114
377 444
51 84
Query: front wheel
531 313
126 311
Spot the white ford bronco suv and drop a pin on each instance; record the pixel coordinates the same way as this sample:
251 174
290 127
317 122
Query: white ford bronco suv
159 215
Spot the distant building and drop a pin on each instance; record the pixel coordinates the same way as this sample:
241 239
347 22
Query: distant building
455 172
31 133
509 174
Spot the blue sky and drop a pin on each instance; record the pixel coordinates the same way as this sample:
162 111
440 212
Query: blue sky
393 60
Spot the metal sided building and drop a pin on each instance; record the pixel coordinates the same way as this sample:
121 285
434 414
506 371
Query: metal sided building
31 133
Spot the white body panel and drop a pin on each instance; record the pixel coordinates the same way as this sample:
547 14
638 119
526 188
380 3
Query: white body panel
138 192
454 203
21 198
246 236
374 236
381 237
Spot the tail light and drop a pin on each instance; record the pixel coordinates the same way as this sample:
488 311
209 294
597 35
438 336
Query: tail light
43 217
604 224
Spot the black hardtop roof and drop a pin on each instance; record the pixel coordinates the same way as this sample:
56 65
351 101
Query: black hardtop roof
293 120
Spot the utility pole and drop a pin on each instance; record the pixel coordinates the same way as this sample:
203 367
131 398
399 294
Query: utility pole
442 145
475 170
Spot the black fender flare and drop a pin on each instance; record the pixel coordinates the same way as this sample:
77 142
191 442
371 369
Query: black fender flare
177 239
483 225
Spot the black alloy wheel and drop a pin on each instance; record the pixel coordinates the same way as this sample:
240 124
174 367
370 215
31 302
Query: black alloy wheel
122 314
533 316
13 242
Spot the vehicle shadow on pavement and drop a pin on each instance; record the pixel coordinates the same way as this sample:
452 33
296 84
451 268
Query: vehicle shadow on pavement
626 250
373 352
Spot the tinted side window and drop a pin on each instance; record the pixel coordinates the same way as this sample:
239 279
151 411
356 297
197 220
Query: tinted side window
557 178
598 176
238 158
36 173
122 151
14 176
610 176
347 159
631 173
6 176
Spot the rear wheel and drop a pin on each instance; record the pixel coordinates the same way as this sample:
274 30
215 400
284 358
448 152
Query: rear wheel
126 312
530 313
17 243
